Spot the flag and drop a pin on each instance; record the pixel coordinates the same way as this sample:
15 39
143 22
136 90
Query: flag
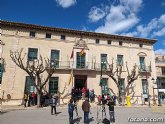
70 78
81 52
72 54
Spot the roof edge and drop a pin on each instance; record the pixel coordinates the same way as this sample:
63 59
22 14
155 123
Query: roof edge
77 32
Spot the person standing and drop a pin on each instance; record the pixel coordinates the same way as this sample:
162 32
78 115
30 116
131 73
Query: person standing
111 110
86 108
53 103
25 99
70 111
99 99
83 93
33 98
30 100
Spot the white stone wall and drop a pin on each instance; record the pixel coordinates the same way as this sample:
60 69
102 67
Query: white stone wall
15 39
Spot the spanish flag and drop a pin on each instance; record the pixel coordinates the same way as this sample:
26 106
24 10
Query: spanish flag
81 52
70 78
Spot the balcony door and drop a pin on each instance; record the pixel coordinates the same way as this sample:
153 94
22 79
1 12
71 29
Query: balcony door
80 59
54 57
142 63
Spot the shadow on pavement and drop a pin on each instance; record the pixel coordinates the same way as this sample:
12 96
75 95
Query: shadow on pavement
77 120
91 119
58 113
3 112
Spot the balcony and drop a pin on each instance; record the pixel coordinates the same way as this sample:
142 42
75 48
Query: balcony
81 66
144 69
160 74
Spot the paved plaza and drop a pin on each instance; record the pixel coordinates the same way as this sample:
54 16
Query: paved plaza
43 116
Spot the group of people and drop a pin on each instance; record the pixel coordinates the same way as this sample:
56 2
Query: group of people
83 93
105 99
30 99
85 107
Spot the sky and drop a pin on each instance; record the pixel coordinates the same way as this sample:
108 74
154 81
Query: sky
137 18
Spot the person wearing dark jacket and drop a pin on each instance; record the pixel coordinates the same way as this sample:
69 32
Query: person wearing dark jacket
53 103
70 111
86 108
111 105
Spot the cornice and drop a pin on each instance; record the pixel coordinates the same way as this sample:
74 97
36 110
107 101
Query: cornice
6 24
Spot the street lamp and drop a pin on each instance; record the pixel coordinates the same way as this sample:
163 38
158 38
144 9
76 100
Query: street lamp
158 83
101 73
154 100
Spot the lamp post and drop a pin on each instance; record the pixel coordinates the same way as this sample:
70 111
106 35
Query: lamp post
158 84
154 100
148 90
101 73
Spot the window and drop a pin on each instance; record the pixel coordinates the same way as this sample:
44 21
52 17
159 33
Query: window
122 84
144 86
54 57
62 37
163 70
48 35
53 85
1 72
97 41
80 60
103 61
140 45
104 86
29 85
119 59
32 34
32 54
109 42
142 63
120 43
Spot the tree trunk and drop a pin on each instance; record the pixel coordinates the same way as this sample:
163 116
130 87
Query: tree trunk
119 97
38 99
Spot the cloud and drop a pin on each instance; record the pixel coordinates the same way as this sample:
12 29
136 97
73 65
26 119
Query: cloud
160 32
120 17
156 27
66 3
96 14
144 31
160 51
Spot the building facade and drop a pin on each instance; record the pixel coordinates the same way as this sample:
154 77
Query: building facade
160 72
66 47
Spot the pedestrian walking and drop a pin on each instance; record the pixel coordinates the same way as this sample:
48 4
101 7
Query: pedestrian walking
86 108
53 103
25 99
111 110
70 111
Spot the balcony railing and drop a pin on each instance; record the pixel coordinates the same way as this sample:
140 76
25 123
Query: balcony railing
160 74
145 68
81 66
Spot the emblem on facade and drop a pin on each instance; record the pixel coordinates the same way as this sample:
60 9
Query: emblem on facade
81 43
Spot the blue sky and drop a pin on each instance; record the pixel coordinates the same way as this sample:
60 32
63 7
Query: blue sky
138 18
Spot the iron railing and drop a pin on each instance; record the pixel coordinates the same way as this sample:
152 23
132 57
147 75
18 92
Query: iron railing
145 68
81 66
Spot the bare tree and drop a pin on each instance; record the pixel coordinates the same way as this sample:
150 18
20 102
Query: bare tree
131 77
115 74
36 69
